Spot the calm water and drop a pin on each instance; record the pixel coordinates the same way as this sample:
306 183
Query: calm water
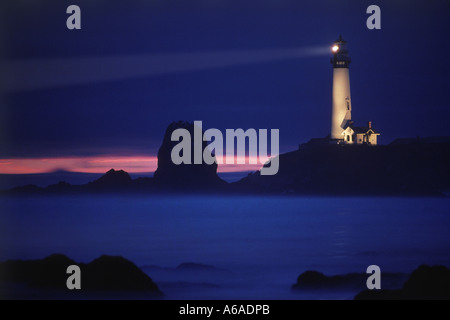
261 244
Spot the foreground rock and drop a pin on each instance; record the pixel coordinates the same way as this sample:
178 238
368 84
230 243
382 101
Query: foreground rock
106 273
314 280
425 283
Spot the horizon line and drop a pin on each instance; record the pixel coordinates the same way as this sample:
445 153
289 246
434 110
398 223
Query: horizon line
101 165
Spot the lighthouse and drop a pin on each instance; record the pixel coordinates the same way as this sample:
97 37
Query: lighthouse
343 128
342 104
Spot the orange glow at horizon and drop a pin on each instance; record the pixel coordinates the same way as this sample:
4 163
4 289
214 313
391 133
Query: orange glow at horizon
95 164
101 164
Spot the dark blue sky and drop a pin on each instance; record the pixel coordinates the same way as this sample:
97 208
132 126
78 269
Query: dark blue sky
400 75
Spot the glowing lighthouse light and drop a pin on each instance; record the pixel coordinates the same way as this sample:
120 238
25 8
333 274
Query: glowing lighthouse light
335 48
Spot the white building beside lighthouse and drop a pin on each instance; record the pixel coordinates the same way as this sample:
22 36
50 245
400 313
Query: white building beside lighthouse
342 127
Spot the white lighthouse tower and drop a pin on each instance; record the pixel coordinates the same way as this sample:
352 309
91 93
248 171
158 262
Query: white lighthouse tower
342 103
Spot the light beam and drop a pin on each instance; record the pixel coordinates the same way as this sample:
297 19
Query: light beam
35 74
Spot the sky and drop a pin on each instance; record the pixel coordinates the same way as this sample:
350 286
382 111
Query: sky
100 97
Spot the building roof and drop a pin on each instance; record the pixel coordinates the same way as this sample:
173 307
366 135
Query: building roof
361 129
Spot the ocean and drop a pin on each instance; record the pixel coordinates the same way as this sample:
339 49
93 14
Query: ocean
255 246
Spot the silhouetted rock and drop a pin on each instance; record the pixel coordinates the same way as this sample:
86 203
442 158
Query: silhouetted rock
112 180
398 169
184 176
429 282
61 187
106 273
314 280
425 283
27 189
419 140
144 184
112 273
46 273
